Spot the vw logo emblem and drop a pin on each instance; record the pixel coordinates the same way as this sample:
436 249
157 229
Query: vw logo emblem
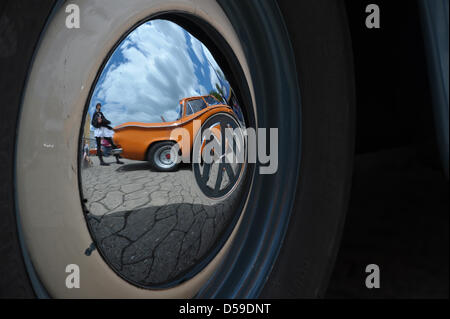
219 156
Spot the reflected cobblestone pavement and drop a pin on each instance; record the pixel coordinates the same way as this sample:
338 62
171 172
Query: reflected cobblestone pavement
151 226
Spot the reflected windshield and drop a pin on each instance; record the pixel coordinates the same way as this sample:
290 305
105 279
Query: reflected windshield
211 100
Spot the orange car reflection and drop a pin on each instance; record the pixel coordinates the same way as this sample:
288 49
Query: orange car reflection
153 142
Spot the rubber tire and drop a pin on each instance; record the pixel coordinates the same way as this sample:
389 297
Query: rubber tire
21 23
297 259
435 28
151 153
321 44
323 52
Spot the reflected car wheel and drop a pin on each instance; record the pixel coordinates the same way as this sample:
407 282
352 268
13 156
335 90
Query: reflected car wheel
163 157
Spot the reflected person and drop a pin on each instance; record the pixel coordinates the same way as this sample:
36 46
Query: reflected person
86 156
103 130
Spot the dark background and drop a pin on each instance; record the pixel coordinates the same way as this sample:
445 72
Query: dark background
398 212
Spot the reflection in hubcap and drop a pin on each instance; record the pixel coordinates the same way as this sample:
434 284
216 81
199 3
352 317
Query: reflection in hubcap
151 227
156 228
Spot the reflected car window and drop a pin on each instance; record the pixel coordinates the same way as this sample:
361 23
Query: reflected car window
189 110
197 105
211 101
180 112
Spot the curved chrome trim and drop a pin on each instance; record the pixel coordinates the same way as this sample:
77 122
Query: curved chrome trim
175 124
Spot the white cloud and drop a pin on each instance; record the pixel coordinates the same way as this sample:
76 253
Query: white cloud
150 72
170 115
197 46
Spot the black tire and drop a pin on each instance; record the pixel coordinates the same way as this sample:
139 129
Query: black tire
435 28
21 23
299 56
324 81
323 54
152 153
328 105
